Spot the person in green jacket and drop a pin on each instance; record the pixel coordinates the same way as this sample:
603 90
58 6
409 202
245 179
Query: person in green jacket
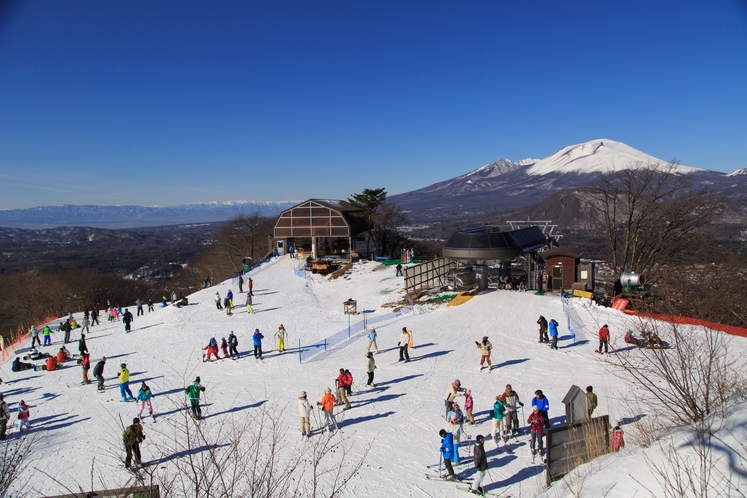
132 437
370 367
193 395
591 399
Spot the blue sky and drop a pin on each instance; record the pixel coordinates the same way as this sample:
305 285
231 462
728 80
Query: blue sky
164 103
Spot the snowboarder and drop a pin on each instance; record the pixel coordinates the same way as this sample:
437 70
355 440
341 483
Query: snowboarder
469 404
404 341
35 336
499 413
341 382
63 355
372 340
85 363
481 464
127 318
51 364
485 347
143 397
510 401
217 300
370 367
233 343
553 326
281 334
537 423
543 329
82 347
630 339
327 405
4 416
591 399
124 383
454 390
212 350
224 347
304 410
542 403
257 341
19 366
98 373
604 339
23 417
193 395
132 437
447 452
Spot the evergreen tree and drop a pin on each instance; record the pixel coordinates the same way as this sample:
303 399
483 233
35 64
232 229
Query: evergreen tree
368 201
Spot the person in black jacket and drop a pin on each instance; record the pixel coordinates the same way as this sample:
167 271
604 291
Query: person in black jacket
542 322
98 373
127 318
82 348
481 465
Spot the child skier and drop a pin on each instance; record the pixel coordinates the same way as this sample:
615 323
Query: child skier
23 417
468 405
249 308
193 395
499 412
281 334
143 397
212 349
224 347
233 343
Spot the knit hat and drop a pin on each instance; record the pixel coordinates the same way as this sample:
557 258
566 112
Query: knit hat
327 390
197 379
123 365
480 438
485 338
457 383
442 432
536 408
135 420
303 394
103 358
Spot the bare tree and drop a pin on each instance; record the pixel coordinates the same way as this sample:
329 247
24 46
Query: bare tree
243 236
648 214
14 459
386 222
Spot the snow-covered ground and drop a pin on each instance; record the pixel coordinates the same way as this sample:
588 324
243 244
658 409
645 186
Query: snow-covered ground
399 419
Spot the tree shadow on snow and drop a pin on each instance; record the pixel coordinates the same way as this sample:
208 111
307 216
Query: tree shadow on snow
521 475
6 382
180 454
387 397
395 381
356 420
573 344
146 380
148 326
20 390
58 424
237 409
509 362
268 309
118 355
431 355
90 337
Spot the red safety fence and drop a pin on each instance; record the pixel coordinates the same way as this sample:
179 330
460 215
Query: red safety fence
17 337
686 320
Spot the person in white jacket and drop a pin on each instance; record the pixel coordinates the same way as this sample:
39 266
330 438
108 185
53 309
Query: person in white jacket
304 410
404 341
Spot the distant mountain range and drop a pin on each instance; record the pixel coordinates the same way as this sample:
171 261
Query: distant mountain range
505 185
135 216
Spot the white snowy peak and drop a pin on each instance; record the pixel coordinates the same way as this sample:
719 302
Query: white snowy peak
601 155
738 172
491 170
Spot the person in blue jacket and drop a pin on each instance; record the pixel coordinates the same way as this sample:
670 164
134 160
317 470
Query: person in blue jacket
553 326
257 340
447 452
542 404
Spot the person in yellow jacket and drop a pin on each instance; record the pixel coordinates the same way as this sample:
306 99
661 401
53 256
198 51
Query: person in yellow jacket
281 334
124 384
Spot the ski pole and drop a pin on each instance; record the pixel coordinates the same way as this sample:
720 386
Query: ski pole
523 418
440 461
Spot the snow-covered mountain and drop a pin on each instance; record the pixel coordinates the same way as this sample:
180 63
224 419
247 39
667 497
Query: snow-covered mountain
505 185
136 216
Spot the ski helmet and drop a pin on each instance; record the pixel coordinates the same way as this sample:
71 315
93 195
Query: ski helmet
457 383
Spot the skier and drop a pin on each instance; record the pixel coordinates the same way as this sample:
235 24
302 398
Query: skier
543 329
499 412
481 465
257 341
541 402
124 384
23 417
251 286
304 410
98 373
224 347
127 318
4 417
233 343
143 397
249 308
404 341
399 270
348 382
591 399
485 347
454 390
45 332
229 296
510 401
85 323
132 437
327 405
193 395
604 339
95 315
139 306
469 404
553 326
150 305
85 363
370 367
217 300
341 383
372 340
212 349
241 284
537 422
35 336
281 334
82 347
66 328
447 451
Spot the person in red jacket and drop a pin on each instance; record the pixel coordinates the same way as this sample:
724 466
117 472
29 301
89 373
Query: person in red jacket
536 422
604 339
51 363
342 383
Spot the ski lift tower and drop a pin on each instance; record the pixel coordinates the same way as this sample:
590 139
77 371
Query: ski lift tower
533 265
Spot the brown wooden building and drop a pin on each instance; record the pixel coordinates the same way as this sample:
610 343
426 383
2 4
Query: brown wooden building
564 270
